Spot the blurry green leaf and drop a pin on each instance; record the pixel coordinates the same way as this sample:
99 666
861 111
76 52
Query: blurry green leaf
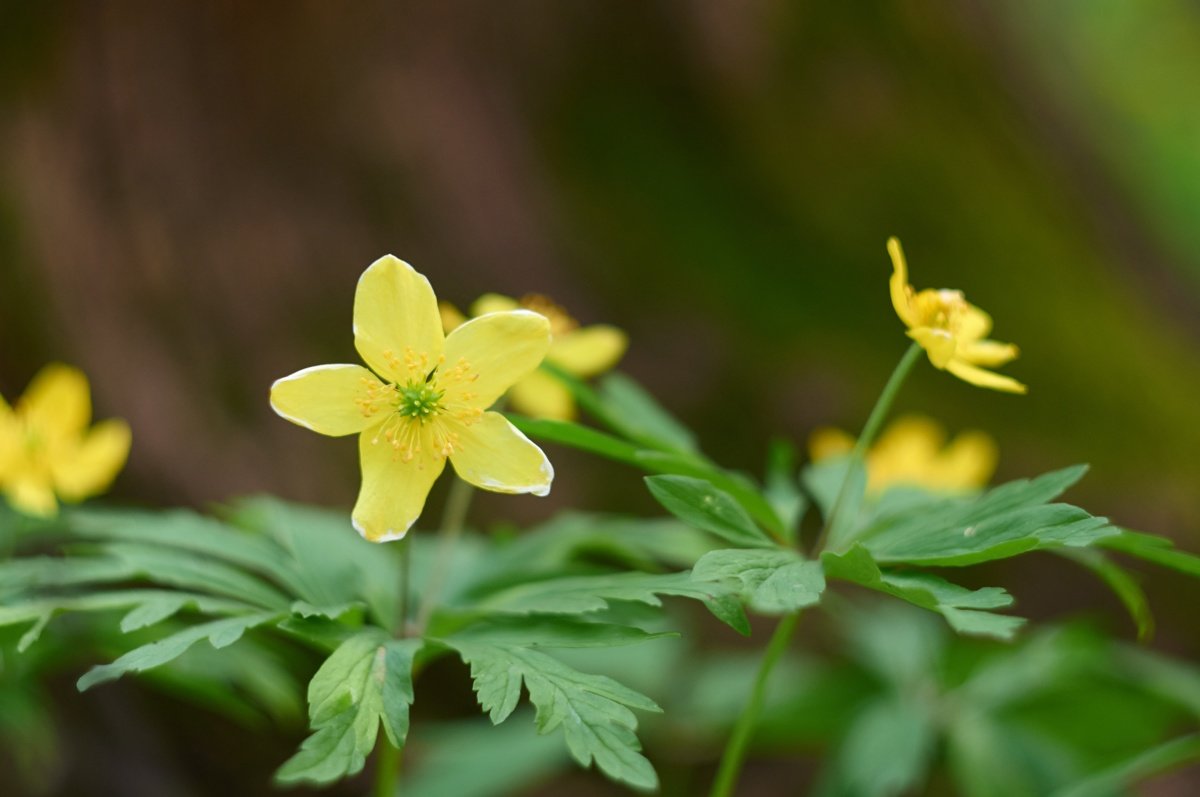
504 760
1121 582
637 415
187 571
576 436
183 530
895 641
1006 521
782 488
219 633
553 632
578 594
1159 550
366 681
887 749
987 758
964 609
592 710
1116 779
772 581
698 503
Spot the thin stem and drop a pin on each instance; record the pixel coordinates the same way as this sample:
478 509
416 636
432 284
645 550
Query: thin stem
454 518
735 748
874 421
387 769
405 581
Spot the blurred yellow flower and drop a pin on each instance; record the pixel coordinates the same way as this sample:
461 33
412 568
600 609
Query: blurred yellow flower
429 402
580 351
951 330
913 451
47 449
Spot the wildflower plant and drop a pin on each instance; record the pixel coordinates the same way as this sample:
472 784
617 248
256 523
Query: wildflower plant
579 616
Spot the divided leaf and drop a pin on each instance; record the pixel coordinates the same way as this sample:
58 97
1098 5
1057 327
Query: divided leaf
699 503
1009 520
593 711
965 610
365 682
771 581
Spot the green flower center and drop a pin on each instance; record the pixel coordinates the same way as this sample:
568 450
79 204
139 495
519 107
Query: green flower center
418 400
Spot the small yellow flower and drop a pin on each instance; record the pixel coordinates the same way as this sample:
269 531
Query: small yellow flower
913 451
428 403
951 330
46 447
580 351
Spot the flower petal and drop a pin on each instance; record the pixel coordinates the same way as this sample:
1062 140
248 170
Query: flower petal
967 463
493 303
492 454
937 343
901 290
499 349
973 323
588 351
57 405
540 395
826 442
329 399
396 320
31 496
982 378
91 466
987 352
393 490
10 440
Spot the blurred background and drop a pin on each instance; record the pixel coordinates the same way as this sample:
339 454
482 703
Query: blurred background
188 193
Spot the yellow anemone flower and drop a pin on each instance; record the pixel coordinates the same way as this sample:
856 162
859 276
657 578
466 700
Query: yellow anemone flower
950 329
46 447
580 351
428 403
913 451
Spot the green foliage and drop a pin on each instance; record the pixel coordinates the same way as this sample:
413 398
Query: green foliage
365 682
701 504
593 711
771 581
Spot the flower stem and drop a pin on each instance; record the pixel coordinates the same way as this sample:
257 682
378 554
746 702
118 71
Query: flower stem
735 748
454 518
874 421
405 574
387 769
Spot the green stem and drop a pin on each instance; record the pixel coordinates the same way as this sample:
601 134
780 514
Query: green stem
387 770
870 430
735 748
405 575
454 518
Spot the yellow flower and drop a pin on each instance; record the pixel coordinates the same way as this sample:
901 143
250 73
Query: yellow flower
913 451
428 403
46 447
582 352
950 329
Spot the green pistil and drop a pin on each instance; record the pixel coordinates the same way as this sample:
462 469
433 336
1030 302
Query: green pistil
418 400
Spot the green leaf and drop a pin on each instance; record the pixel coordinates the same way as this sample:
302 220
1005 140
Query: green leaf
635 413
1159 550
183 530
1121 582
580 594
219 633
185 570
365 682
887 750
965 610
1120 777
553 632
771 581
700 504
505 760
652 461
782 488
1003 522
592 710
